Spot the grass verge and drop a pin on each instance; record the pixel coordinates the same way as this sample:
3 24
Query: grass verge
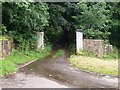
10 63
109 67
114 54
59 53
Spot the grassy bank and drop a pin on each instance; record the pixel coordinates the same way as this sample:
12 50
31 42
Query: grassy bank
10 63
59 53
96 65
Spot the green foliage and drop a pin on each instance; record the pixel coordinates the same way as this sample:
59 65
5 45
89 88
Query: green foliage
115 33
111 56
9 64
3 31
59 53
23 20
72 48
94 19
7 67
60 22
99 20
55 29
114 55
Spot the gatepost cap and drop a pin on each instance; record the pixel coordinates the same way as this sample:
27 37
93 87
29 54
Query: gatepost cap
79 30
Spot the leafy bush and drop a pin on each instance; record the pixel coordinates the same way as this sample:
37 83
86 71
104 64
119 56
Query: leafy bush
3 31
94 19
23 20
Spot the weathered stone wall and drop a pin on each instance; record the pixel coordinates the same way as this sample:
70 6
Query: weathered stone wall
97 47
6 47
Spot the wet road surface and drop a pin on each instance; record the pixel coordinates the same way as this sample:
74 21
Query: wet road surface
21 80
57 73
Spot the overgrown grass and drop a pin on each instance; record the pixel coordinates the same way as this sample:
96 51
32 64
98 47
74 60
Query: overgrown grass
86 53
112 55
102 66
10 63
59 53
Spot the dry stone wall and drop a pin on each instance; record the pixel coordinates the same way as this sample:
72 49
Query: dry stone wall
6 47
97 47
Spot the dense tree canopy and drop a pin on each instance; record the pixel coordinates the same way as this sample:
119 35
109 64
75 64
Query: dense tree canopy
23 20
115 29
99 20
93 19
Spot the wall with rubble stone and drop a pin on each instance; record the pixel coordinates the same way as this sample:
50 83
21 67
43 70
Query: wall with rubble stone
6 47
97 47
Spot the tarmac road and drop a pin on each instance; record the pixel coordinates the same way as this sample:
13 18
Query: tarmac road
56 73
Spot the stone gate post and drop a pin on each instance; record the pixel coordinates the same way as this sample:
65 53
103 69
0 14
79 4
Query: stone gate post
40 42
79 40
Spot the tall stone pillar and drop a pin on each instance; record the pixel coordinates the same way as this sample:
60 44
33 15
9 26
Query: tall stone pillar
40 42
79 40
